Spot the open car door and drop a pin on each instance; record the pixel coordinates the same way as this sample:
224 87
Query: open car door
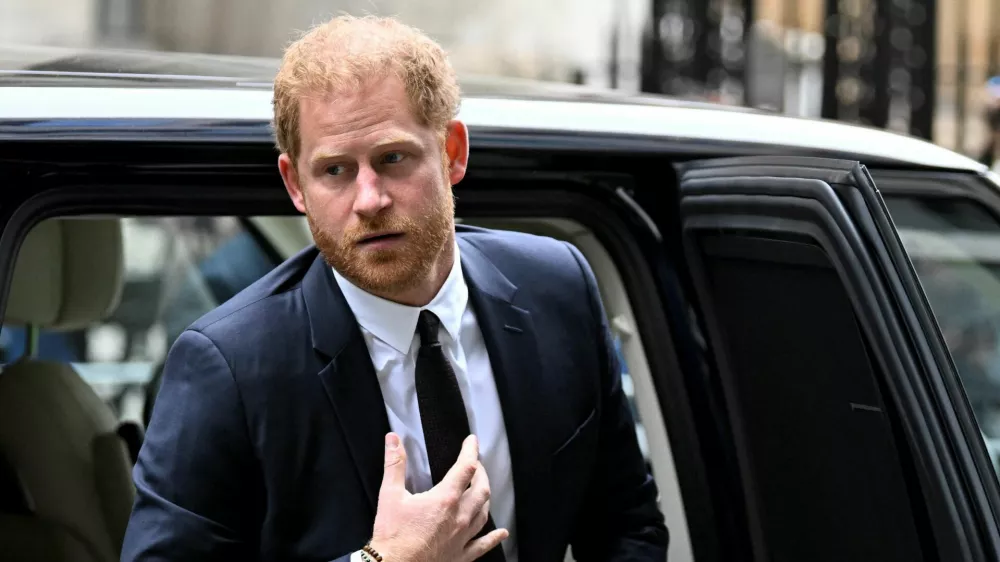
852 434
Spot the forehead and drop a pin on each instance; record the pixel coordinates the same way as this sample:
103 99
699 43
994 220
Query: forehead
368 115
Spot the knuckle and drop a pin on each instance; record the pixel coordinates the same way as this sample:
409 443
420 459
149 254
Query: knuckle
450 499
481 519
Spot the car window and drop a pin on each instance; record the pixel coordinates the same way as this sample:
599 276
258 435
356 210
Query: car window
175 270
954 244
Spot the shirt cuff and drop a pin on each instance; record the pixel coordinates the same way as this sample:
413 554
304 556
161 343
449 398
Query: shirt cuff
356 557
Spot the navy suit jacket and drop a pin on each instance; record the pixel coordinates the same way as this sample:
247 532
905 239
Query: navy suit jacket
266 440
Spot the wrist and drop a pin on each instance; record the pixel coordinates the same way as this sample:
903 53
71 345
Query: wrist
377 551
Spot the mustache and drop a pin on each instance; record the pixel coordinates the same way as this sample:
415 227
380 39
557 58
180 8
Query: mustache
378 224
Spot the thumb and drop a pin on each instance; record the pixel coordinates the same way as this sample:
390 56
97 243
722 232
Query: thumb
395 463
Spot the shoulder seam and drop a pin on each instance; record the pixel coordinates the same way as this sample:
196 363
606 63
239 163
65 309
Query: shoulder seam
574 252
242 308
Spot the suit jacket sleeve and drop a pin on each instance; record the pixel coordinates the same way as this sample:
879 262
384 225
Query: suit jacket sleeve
621 518
198 490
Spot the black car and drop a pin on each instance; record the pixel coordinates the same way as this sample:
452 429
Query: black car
807 309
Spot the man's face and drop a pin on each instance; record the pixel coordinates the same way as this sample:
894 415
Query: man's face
375 186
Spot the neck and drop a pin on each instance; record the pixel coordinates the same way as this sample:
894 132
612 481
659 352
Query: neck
424 292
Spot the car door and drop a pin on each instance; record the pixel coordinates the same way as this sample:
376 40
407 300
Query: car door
851 437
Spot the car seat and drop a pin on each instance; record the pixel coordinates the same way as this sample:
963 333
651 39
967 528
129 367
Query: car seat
65 475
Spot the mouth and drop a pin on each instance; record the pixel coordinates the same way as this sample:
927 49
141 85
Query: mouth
380 237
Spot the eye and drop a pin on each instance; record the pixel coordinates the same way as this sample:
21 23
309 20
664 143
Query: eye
335 170
393 158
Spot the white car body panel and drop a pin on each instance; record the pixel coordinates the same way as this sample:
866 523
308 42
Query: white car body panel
668 122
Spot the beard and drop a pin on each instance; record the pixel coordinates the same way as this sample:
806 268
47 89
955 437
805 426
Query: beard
389 270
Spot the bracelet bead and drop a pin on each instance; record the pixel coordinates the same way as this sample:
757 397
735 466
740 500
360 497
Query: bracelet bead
371 553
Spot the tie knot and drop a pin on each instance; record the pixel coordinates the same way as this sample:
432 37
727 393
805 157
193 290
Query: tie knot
427 326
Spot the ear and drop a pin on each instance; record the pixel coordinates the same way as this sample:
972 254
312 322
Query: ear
457 149
291 178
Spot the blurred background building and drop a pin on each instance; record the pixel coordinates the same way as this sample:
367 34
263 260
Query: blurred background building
916 66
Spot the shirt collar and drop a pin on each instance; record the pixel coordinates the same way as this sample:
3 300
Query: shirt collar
395 323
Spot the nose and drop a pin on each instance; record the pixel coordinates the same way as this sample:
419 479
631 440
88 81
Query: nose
371 198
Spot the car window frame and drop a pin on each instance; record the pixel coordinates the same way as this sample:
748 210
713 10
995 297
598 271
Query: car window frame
976 188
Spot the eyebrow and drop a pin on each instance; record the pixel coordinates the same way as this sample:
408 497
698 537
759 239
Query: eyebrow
394 140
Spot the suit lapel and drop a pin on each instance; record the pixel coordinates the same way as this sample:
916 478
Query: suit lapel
512 346
352 387
349 379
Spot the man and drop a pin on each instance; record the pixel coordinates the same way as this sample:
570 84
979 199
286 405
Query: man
482 361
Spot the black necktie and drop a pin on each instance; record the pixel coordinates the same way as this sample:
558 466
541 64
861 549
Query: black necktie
442 411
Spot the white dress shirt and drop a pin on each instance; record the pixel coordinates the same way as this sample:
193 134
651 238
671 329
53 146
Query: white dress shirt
390 331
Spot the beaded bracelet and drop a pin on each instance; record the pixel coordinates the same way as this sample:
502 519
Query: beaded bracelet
370 553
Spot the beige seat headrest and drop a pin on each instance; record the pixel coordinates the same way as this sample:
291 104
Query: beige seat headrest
68 274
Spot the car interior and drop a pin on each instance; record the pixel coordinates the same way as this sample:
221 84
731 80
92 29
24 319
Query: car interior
67 446
65 469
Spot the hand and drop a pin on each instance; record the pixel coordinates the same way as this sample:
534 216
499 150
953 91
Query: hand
440 524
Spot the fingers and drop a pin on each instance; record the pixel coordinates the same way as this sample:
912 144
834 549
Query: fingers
461 473
482 516
394 477
475 502
479 489
478 547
